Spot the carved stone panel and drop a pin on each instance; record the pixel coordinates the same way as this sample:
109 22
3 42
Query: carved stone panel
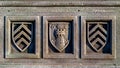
60 37
98 37
21 35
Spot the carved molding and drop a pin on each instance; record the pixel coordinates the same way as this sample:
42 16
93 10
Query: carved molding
58 3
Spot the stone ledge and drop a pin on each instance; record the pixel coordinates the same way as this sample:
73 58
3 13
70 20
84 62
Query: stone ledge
59 3
55 66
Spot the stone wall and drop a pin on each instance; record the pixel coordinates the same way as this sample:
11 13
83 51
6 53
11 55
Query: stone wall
40 51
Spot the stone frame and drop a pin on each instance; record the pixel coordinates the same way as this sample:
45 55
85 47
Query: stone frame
8 53
83 37
46 20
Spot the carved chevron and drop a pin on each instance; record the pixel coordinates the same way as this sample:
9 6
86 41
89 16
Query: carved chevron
95 34
22 26
98 40
94 43
22 36
96 27
22 40
96 37
22 33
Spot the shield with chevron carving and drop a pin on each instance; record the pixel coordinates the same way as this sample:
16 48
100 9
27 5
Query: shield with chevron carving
22 35
97 34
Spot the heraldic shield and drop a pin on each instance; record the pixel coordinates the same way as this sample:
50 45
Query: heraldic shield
59 35
97 35
22 35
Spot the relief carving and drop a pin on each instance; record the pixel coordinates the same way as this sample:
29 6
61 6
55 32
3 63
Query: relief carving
58 33
22 35
60 39
22 40
97 35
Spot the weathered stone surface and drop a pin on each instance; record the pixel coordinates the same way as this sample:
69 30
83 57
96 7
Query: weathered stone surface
59 8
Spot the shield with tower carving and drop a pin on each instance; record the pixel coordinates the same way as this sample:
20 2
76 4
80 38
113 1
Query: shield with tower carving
59 35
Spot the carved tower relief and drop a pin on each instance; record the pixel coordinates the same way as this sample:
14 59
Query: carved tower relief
59 35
